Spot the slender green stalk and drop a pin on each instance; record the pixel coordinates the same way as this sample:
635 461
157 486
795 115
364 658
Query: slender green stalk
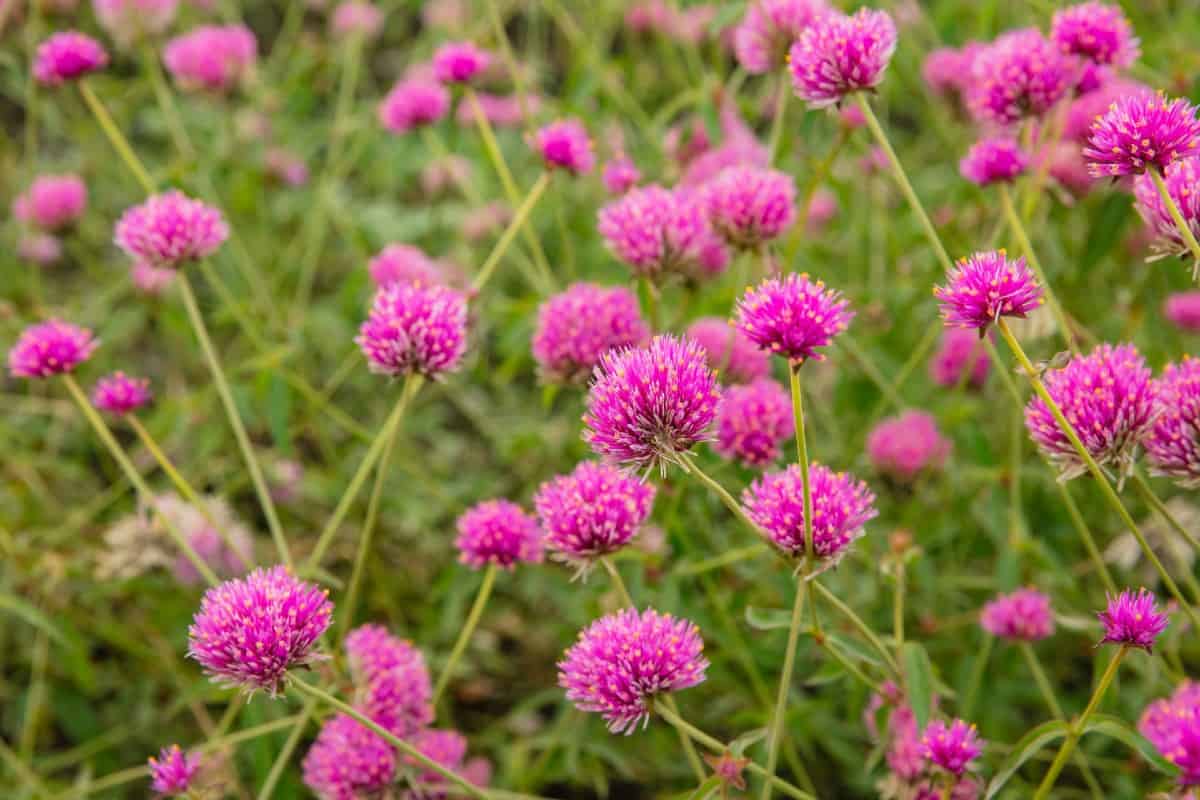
517 224
618 582
1085 534
1039 677
1185 230
782 95
510 62
858 623
731 556
650 291
831 647
464 634
289 747
976 680
898 605
802 459
820 172
166 103
1143 487
785 682
1018 230
689 466
115 137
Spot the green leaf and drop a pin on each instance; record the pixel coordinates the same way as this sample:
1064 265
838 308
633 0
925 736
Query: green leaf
1025 749
768 619
746 740
918 680
1105 230
1115 728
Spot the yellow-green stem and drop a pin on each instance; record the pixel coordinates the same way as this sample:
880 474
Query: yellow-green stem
115 137
285 753
1143 487
464 634
1018 230
775 734
782 95
802 460
1085 533
898 605
858 622
650 291
166 103
689 466
1181 224
517 224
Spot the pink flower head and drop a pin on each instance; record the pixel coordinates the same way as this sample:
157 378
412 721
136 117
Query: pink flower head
952 747
414 328
821 209
655 230
620 175
42 249
172 773
1182 178
444 747
749 206
128 21
412 103
793 317
1098 32
393 686
754 419
1173 446
1173 726
404 263
250 631
52 202
1021 74
905 446
1023 616
947 70
565 145
442 174
348 761
459 62
67 56
119 394
502 111
170 229
50 348
769 27
1132 619
985 287
841 503
1183 310
621 662
960 351
1110 401
498 532
905 755
997 159
357 18
1141 132
593 511
150 279
729 351
837 55
212 57
285 167
578 326
647 404
851 118
205 538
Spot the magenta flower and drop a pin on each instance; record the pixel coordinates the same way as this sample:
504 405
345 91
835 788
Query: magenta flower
960 352
565 145
413 103
837 55
1021 74
621 662
50 348
591 512
67 56
459 62
655 230
905 446
998 159
952 747
170 229
578 326
749 206
119 394
52 202
1173 445
1109 399
356 18
215 58
1181 177
414 328
1183 310
1023 616
1132 619
1173 726
754 419
985 287
793 317
498 532
129 21
620 175
392 680
1098 32
250 631
729 351
761 40
172 773
444 747
404 263
1140 132
348 761
1084 109
948 70
905 755
648 404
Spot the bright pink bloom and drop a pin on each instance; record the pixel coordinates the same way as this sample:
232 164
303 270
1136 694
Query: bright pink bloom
50 348
565 145
749 206
391 678
498 532
654 230
793 317
998 159
119 394
170 229
952 747
348 761
212 57
129 21
1173 726
172 773
1173 446
404 263
1024 616
754 419
1183 310
985 287
459 62
1132 619
357 18
412 103
960 351
66 56
591 512
578 326
444 747
620 175
1183 185
1140 132
761 40
1019 75
52 202
414 328
905 446
837 55
729 351
1098 32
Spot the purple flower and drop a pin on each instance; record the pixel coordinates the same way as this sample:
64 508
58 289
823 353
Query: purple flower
172 773
348 761
414 328
215 58
985 287
459 62
952 747
729 351
285 167
498 532
169 229
793 317
119 394
1132 619
593 511
647 404
1140 132
404 263
1019 75
905 755
250 631
578 326
838 54
762 38
356 18
128 21
948 70
749 206
1181 177
50 348
621 662
442 746
66 56
1173 445
205 537
998 159
52 202
1173 726
655 230
1109 399
1098 32
905 446
754 419
1023 616
960 352
620 175
392 681
1183 310
413 103
565 145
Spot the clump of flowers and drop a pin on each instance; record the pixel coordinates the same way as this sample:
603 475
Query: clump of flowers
1173 445
170 229
1021 74
905 446
414 329
749 206
348 760
459 62
1183 310
1140 132
1098 32
620 175
761 40
128 21
447 748
119 394
50 348
961 356
623 661
986 286
754 419
391 679
216 58
730 352
591 512
403 263
997 159
837 55
578 326
951 747
413 103
656 230
793 317
173 771
1173 726
52 202
1132 619
1181 178
565 145
1024 616
67 56
498 532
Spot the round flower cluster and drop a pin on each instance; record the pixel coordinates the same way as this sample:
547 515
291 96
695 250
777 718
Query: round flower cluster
498 532
985 287
172 773
762 38
52 202
459 62
905 446
67 56
620 175
348 760
730 352
1173 446
1181 178
1132 619
50 348
412 103
1019 75
404 263
793 317
1139 132
1098 32
446 748
215 58
392 684
948 70
656 230
961 356
578 326
951 747
593 511
749 205
414 328
129 21
838 54
1173 726
565 145
1183 310
169 229
42 249
997 159
754 419
119 394
1023 616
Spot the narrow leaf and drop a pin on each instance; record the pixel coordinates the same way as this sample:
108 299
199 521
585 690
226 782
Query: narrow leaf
1118 729
1024 750
918 680
768 619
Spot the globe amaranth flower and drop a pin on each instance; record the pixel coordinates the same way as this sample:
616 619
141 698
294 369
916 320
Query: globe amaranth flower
215 58
1132 619
173 771
1183 310
656 230
50 348
1173 444
762 38
961 357
565 145
348 761
997 159
729 351
42 249
1021 74
593 511
392 684
648 404
749 206
413 103
119 394
212 530
356 18
985 287
792 317
1024 616
414 328
1182 179
67 56
951 747
1140 132
498 532
459 62
404 263
444 747
754 419
620 175
623 661
579 325
170 229
1082 112
1098 32
1109 399
250 631
129 21
903 447
1173 726
837 55
947 70
52 202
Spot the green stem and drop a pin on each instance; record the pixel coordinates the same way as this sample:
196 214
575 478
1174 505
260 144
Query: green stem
898 605
1085 534
980 666
1039 677
166 103
115 137
785 684
468 628
820 172
517 224
782 95
1180 223
731 556
802 460
1152 499
858 623
831 647
1018 230
650 291
689 466
289 747
618 582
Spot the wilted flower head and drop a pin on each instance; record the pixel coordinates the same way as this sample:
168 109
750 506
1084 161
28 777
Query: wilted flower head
621 662
960 352
1182 178
1109 399
348 761
1183 310
655 230
52 202
647 404
66 56
1098 32
997 159
392 681
172 773
356 18
212 530
762 38
565 145
752 422
1021 74
498 532
749 206
593 511
414 328
119 394
403 263
50 348
459 62
212 57
1132 619
620 175
985 287
169 229
1139 132
952 747
127 21
1173 446
412 103
1025 615
579 325
837 55
905 446
250 631
730 352
42 249
793 317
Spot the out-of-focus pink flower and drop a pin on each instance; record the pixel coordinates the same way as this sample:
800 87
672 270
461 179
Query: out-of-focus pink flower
905 446
502 111
52 202
128 21
578 326
459 62
769 27
838 55
215 58
485 220
42 249
50 348
356 18
1183 310
729 351
149 279
754 419
443 174
620 175
413 103
67 56
821 210
403 263
1024 615
565 145
285 167
997 159
961 351
1021 74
